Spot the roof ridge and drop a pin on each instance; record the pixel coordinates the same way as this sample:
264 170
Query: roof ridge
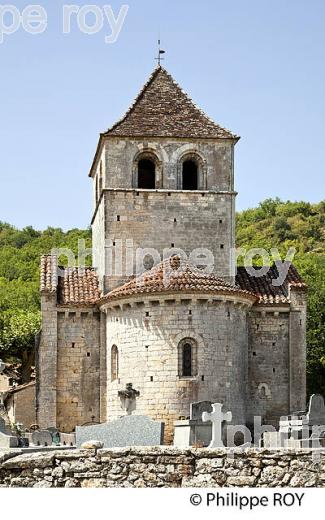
136 99
235 136
181 275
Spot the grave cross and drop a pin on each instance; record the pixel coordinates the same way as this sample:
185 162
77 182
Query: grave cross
217 417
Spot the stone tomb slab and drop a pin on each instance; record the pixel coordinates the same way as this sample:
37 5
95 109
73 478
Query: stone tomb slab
316 411
130 430
193 431
42 438
8 441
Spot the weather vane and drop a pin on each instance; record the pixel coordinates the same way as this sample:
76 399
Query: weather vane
160 53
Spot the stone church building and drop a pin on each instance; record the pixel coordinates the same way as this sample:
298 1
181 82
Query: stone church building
163 181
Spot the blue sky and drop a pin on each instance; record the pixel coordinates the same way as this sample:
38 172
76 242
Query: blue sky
255 66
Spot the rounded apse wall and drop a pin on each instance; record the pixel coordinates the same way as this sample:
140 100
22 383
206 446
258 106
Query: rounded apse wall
176 351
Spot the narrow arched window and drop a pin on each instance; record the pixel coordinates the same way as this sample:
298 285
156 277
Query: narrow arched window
114 363
146 174
187 362
189 175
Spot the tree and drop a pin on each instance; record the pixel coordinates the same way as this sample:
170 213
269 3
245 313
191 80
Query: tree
17 337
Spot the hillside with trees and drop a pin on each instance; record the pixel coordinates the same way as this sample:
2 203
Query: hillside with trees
273 224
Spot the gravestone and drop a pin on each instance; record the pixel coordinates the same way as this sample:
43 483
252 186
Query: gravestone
130 430
217 417
193 431
8 441
67 439
2 425
301 430
55 435
316 410
42 438
197 409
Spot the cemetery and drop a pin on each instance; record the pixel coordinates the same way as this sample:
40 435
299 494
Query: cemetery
129 452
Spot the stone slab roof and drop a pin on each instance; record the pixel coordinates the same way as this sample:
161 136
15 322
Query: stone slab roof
163 109
264 287
173 275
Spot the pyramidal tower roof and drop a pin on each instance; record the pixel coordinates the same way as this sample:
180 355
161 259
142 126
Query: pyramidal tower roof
163 109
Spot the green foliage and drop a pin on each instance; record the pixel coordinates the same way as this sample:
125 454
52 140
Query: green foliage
17 330
20 252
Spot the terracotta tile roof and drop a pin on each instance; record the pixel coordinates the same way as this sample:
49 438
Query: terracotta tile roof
74 286
49 273
163 109
263 287
78 287
81 287
171 276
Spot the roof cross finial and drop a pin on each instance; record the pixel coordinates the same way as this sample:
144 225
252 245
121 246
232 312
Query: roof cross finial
160 53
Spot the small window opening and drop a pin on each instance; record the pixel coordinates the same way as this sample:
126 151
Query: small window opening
114 363
88 354
187 359
189 175
146 174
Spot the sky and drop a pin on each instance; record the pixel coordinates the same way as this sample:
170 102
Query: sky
255 66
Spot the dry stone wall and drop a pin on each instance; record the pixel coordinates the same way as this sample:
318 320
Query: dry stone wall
163 467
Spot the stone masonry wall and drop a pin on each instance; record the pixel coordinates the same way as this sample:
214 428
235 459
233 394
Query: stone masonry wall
147 335
162 221
46 363
78 368
163 467
21 406
268 364
216 158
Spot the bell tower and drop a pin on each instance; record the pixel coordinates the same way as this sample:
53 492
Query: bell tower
163 180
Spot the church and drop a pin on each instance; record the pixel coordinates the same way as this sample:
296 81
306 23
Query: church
144 320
